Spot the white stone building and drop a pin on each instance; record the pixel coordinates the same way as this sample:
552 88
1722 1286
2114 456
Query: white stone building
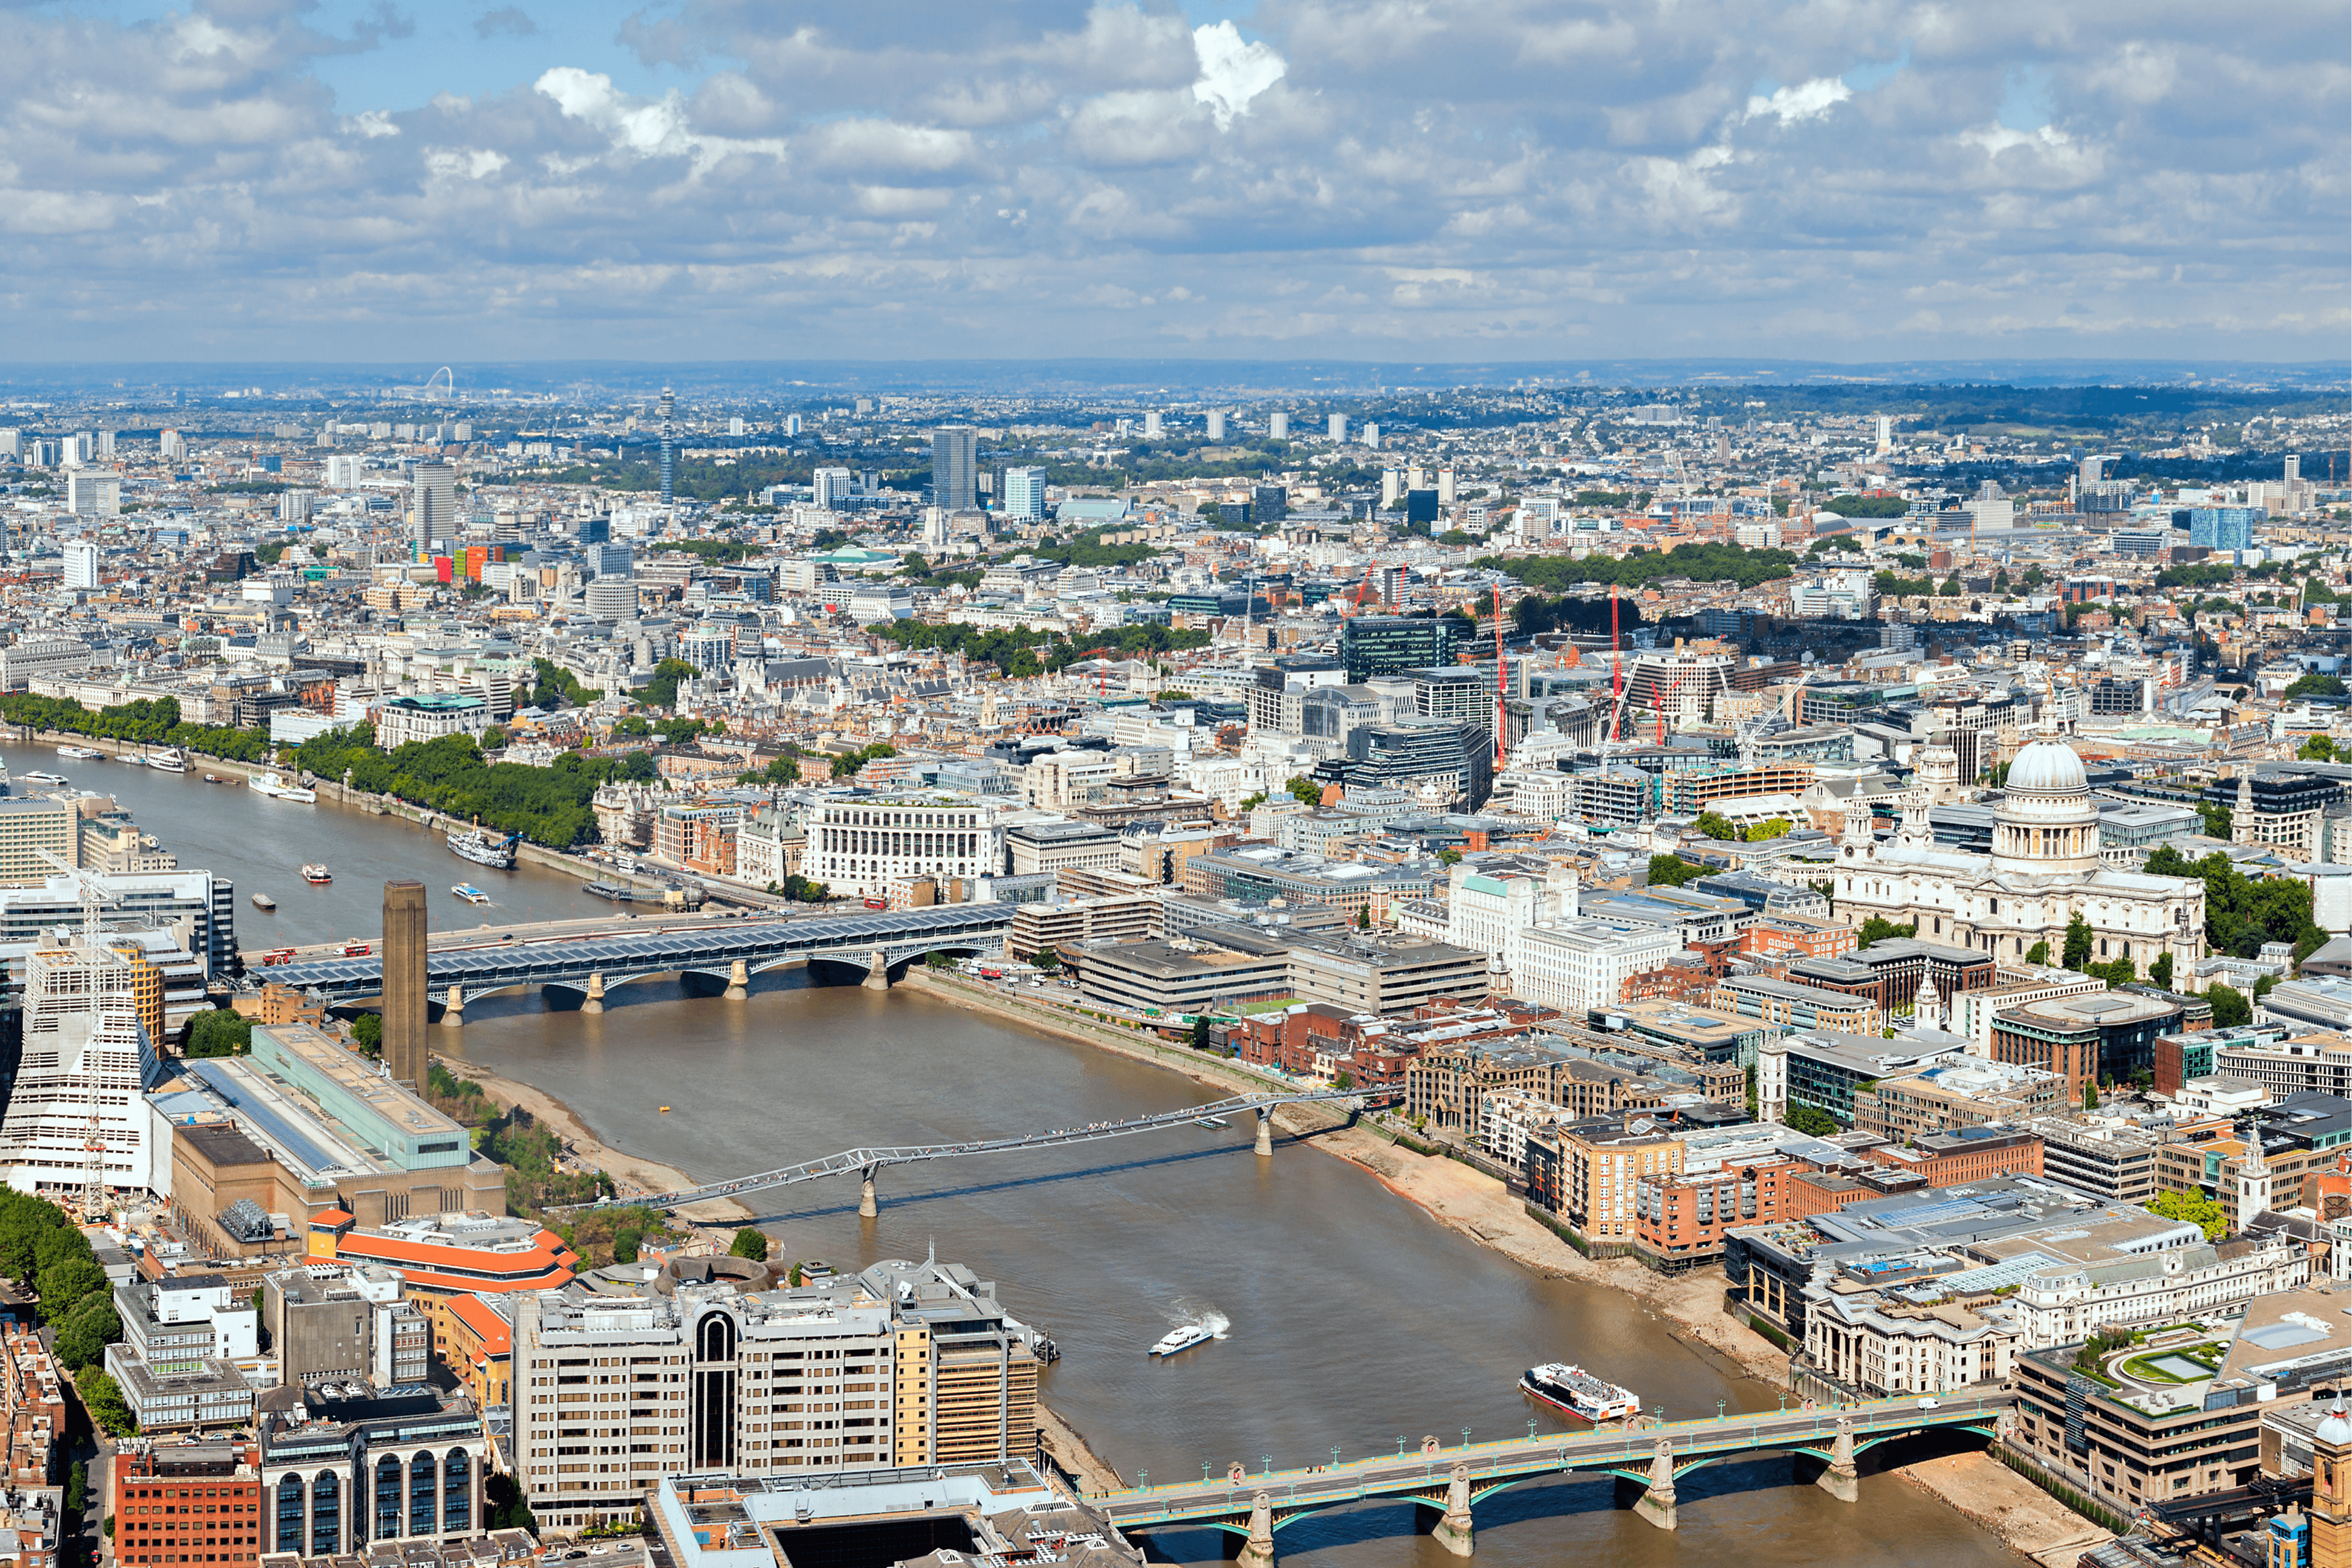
2044 869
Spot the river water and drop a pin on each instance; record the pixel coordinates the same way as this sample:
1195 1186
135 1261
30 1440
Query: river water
261 844
1355 1321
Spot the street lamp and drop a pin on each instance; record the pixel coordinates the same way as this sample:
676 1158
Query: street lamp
1719 1409
1466 1437
1532 1429
1268 1460
1143 1480
1204 1472
1400 1445
1335 1455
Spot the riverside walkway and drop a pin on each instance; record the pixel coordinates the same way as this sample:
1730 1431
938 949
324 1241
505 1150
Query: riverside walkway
1450 1481
867 1162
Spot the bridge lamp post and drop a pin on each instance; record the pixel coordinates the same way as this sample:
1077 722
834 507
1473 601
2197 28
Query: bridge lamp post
1268 1460
1400 1445
1719 1409
1532 1429
1466 1437
1204 1472
1143 1480
1335 1455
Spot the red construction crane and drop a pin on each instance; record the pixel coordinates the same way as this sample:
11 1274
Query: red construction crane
1356 604
1501 711
1616 677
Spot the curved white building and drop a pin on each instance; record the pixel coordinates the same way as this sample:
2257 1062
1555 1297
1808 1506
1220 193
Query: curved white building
2045 868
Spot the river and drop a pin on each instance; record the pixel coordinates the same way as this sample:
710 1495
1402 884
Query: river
261 846
1355 1319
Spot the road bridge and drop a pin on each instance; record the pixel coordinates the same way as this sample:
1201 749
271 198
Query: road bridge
715 955
867 1162
1449 1482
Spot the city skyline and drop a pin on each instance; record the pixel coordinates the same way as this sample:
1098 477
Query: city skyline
259 179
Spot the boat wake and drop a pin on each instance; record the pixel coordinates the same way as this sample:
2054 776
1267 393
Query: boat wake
1185 1313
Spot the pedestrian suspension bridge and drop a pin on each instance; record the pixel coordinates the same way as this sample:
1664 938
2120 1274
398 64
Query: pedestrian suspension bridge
864 1162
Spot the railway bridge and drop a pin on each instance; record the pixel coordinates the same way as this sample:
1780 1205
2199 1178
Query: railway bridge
1448 1483
714 956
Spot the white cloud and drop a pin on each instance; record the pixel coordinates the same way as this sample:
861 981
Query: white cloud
1232 72
1807 100
1373 178
643 128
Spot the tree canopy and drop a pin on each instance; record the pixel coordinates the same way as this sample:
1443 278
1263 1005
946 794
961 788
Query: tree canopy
2242 913
1700 563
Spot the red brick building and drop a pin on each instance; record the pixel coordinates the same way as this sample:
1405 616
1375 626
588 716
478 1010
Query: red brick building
185 1503
1681 1218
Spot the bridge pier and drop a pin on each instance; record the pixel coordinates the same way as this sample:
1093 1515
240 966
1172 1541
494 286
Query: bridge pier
1266 1131
877 971
1841 1480
1257 1551
738 980
454 1007
596 998
1453 1530
866 1207
1657 1503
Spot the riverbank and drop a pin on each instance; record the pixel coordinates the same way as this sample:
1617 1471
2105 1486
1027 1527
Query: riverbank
2021 1515
634 1177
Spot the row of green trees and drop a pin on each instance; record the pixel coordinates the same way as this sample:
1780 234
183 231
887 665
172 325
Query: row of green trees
154 722
43 1250
1700 563
1017 653
2242 913
547 805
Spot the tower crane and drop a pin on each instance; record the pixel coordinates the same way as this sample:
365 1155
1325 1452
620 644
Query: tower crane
92 1199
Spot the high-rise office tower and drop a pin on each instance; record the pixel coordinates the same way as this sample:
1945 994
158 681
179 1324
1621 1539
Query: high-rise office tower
828 487
1216 424
1372 436
433 502
669 446
735 426
955 467
404 980
1024 494
792 424
1445 486
1885 432
1278 425
172 445
106 444
76 1123
94 492
1154 426
1392 487
1336 426
81 563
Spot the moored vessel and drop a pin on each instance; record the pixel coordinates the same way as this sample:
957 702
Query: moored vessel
482 850
171 759
277 789
264 903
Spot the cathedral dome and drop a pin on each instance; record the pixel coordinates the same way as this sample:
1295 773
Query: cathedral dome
2048 767
2046 820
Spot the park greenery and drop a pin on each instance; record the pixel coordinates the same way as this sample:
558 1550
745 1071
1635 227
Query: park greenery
1019 655
547 805
1810 1120
2242 913
1672 870
531 1153
2194 1207
219 1032
1699 563
154 722
45 1252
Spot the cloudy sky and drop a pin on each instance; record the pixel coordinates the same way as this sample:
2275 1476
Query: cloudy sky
888 178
